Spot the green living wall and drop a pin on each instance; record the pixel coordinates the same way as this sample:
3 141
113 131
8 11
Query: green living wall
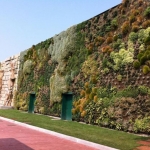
48 69
104 61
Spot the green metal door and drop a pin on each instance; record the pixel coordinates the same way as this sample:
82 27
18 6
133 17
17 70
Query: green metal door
67 106
31 103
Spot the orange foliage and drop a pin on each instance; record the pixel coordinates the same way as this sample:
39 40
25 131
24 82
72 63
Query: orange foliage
106 49
125 27
146 24
109 40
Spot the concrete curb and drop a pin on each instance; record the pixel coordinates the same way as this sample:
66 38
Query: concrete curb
73 139
6 107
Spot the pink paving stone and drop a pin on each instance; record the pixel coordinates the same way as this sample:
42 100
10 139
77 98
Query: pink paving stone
16 137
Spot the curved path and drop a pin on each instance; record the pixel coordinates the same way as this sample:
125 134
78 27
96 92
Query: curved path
19 136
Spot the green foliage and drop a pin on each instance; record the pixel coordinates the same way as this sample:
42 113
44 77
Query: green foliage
133 36
114 23
108 28
141 35
116 45
121 58
38 72
80 53
119 77
105 71
147 12
55 110
136 64
105 15
92 112
146 69
85 54
128 92
89 67
143 59
82 25
132 18
147 40
27 67
142 125
143 90
114 14
106 92
139 56
104 62
142 47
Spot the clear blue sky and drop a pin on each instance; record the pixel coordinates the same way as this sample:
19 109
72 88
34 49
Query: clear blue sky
27 22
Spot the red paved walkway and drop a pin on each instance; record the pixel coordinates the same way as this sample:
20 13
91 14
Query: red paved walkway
15 137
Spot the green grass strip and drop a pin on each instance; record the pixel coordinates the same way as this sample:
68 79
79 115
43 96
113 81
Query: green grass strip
116 139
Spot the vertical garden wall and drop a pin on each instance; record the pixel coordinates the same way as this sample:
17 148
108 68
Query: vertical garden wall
104 61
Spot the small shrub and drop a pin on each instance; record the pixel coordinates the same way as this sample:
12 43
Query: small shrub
109 40
115 37
114 23
91 96
142 125
143 59
100 39
94 90
116 45
106 49
27 67
86 85
119 77
142 48
82 93
141 36
135 28
83 114
135 12
120 36
147 40
123 11
108 28
104 62
105 15
125 27
146 69
93 80
143 90
136 64
140 2
147 12
133 36
105 71
128 92
139 56
114 14
146 24
139 19
132 18
125 3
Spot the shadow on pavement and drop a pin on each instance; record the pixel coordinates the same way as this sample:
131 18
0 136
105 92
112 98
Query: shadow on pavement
12 144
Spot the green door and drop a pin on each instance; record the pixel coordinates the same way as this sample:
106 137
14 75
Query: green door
66 113
31 103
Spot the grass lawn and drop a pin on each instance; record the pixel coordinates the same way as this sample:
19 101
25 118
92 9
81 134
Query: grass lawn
116 139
